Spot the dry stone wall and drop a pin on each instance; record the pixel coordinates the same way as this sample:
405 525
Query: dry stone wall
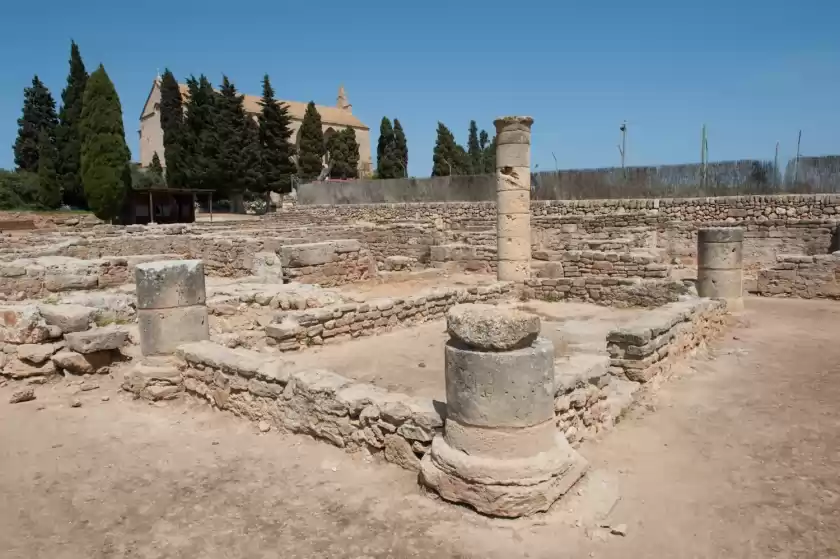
808 277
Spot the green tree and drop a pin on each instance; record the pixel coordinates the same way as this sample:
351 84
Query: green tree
400 148
68 142
312 147
343 154
172 123
277 163
488 153
200 138
386 152
156 170
38 114
104 154
48 196
474 151
238 162
449 158
18 189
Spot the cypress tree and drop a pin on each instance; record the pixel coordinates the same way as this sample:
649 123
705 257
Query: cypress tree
386 148
156 170
344 154
277 163
38 114
474 150
489 161
106 175
68 143
200 138
48 196
312 147
172 123
400 148
238 149
447 159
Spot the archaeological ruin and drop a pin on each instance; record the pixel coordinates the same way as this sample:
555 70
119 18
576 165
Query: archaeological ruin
475 343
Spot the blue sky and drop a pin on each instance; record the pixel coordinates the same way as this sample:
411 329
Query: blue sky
754 71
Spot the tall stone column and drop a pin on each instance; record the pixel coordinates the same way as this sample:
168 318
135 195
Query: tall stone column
720 265
513 197
501 452
171 307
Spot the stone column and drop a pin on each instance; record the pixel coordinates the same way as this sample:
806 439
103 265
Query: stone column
171 306
513 197
501 452
720 265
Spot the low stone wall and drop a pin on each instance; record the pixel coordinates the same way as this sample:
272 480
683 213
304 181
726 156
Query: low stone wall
645 348
603 290
318 403
39 277
327 263
578 263
298 329
808 277
462 257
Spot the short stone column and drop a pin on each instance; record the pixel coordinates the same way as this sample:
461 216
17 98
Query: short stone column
513 198
171 307
720 265
501 452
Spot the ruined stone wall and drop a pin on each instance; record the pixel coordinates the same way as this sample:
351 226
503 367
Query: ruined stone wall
298 329
808 277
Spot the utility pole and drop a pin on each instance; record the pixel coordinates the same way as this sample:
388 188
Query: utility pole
776 167
796 162
622 149
704 156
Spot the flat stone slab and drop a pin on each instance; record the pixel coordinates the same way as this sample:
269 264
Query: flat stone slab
70 318
170 283
97 339
490 328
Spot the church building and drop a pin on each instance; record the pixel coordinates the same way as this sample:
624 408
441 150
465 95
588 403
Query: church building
333 119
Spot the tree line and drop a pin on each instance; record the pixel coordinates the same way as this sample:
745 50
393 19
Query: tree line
76 156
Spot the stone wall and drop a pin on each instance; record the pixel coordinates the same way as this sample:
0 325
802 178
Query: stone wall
298 329
577 263
318 403
641 350
327 263
808 277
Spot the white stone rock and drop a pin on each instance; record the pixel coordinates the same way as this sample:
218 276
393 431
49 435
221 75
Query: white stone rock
486 327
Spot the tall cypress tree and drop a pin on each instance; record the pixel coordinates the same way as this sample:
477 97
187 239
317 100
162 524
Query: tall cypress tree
38 114
447 158
172 123
156 171
201 139
400 148
238 149
386 166
344 154
106 175
68 142
48 196
277 163
312 147
489 161
474 150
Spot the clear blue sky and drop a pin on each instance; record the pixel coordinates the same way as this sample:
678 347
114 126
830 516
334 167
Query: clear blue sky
755 71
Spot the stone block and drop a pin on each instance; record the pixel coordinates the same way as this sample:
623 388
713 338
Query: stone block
240 361
36 353
490 328
70 318
17 369
80 364
163 330
97 339
267 266
170 283
22 324
69 282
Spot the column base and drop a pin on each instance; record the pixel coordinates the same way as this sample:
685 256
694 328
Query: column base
497 487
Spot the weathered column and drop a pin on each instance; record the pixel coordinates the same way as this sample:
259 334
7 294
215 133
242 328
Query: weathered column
720 265
501 452
171 306
513 197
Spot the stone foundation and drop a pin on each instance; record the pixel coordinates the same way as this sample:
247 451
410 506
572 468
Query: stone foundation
808 277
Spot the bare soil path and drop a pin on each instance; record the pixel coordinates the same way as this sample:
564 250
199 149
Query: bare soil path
737 457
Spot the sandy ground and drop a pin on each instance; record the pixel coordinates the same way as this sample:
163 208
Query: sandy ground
737 457
411 361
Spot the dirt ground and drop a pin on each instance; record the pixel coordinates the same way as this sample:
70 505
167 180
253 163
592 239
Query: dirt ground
411 360
736 457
